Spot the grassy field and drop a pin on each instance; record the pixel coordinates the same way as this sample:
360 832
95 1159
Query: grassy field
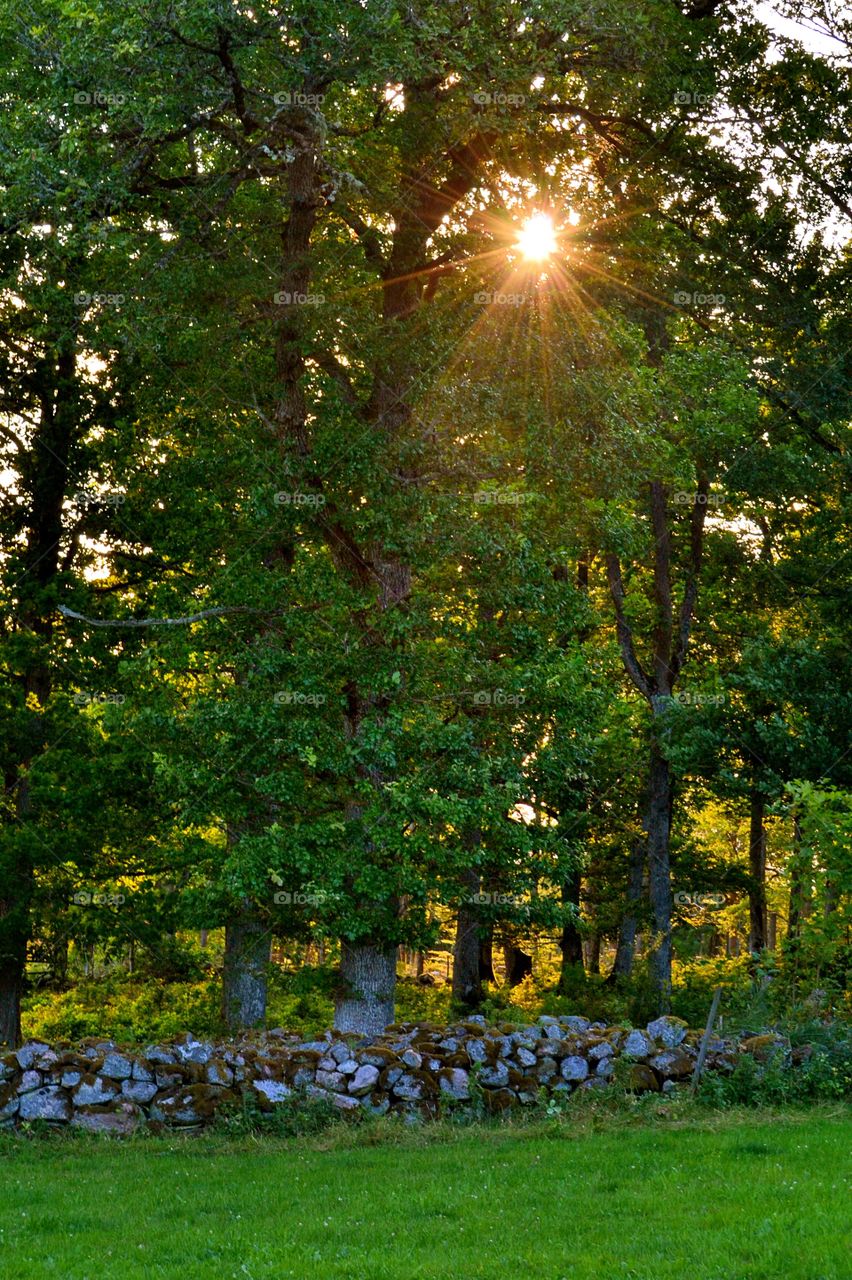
732 1197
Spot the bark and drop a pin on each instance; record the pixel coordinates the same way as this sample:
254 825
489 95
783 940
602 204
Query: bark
571 941
366 1005
467 977
757 870
517 963
772 930
626 946
248 944
593 959
659 876
486 956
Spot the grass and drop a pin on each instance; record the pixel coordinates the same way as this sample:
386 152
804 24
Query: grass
739 1196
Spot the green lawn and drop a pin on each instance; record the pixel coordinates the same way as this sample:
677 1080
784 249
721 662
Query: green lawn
732 1198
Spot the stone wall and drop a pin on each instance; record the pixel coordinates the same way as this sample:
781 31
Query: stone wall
414 1068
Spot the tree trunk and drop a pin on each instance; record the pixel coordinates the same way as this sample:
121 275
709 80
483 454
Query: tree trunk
593 962
772 930
11 987
757 870
571 942
659 877
368 972
626 946
518 964
248 944
467 976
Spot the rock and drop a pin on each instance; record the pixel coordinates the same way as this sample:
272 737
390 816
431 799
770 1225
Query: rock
575 1023
140 1072
476 1050
455 1082
340 1052
116 1066
605 1068
348 1068
638 1045
545 1070
330 1080
194 1051
139 1090
303 1077
377 1105
272 1090
412 1059
494 1077
553 1031
668 1030
190 1105
158 1054
410 1088
642 1079
668 1086
364 1080
30 1080
574 1068
597 1052
28 1053
762 1048
672 1064
525 1057
69 1079
94 1092
497 1100
9 1109
218 1072
50 1103
104 1122
168 1079
344 1102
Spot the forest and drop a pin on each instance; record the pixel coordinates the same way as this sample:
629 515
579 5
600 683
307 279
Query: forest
425 552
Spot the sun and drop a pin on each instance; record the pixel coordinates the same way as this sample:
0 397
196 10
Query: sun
537 238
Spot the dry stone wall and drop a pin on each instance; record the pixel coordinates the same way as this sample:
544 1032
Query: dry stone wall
414 1068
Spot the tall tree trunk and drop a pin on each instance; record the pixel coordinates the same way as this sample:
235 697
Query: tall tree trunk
659 876
467 977
626 945
757 871
571 941
593 960
365 1006
518 964
248 943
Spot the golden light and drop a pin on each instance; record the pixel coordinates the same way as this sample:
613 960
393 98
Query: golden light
537 238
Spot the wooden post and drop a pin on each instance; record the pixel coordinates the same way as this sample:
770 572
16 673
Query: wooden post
705 1039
